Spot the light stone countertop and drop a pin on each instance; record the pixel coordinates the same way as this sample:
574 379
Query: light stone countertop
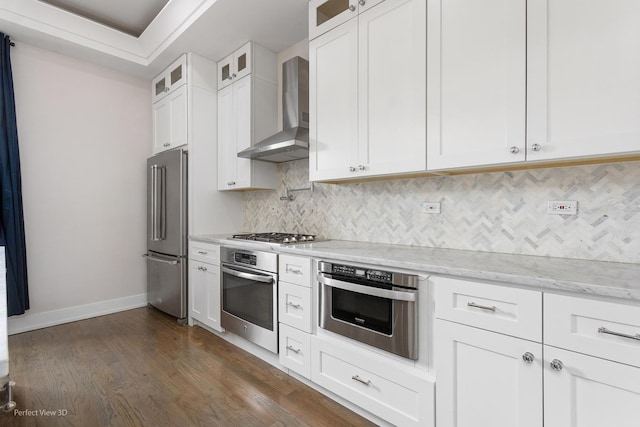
611 279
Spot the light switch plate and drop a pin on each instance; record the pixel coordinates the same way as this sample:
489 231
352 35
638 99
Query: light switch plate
562 207
431 207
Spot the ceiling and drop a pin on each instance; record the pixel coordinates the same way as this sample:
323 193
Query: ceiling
131 17
211 28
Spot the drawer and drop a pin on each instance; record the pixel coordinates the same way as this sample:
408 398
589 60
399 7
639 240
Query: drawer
294 306
205 252
590 326
295 350
294 269
511 311
400 394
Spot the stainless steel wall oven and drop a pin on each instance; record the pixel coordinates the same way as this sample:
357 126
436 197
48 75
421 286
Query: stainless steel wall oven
373 306
249 294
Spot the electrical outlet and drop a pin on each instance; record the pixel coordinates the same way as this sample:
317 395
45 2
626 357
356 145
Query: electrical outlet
273 209
562 207
431 207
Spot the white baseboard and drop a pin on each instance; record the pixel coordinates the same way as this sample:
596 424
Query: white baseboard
29 322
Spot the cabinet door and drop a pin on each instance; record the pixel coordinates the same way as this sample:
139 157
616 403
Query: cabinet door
583 88
476 59
483 379
392 88
197 291
159 87
161 125
225 72
242 59
243 109
178 117
227 163
327 14
589 392
211 276
333 106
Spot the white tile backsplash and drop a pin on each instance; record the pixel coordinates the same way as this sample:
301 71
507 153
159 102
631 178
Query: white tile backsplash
494 212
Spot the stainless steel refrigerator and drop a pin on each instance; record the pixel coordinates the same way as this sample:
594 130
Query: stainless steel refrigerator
167 233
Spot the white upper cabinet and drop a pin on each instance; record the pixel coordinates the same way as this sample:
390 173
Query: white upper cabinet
327 14
170 120
583 78
512 81
235 66
368 94
170 79
476 60
247 113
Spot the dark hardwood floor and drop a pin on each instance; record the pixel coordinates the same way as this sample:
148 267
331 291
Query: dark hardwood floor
139 368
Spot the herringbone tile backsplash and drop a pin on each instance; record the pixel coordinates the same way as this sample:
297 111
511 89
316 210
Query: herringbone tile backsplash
494 212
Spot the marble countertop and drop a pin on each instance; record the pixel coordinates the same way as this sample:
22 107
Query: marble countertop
618 280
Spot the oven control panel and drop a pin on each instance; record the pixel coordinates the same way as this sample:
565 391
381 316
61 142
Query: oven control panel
243 258
361 273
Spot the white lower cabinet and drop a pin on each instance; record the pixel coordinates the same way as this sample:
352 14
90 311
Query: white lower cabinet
586 391
204 285
400 394
486 378
295 350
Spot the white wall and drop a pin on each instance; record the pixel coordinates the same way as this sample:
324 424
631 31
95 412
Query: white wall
84 133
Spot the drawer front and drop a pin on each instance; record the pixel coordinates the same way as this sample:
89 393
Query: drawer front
294 306
295 350
401 395
604 329
205 252
294 269
511 311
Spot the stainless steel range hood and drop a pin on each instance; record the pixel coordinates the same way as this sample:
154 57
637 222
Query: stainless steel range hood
292 143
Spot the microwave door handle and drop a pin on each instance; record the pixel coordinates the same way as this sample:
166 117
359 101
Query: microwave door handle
367 290
248 276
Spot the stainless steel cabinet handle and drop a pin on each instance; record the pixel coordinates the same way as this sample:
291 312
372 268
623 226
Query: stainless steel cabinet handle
483 307
163 261
368 290
352 8
166 89
604 330
352 169
362 2
234 75
231 183
361 167
295 350
536 147
294 271
514 150
294 305
248 276
556 365
202 252
528 357
360 380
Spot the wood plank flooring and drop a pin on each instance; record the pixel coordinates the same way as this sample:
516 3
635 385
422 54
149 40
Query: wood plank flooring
139 368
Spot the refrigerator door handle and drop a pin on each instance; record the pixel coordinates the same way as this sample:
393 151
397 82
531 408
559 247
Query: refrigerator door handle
154 195
164 261
162 223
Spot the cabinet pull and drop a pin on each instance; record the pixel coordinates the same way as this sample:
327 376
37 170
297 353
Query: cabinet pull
528 357
361 167
294 305
166 144
202 252
352 8
483 307
604 330
362 2
360 380
536 147
295 350
556 365
294 271
352 169
514 150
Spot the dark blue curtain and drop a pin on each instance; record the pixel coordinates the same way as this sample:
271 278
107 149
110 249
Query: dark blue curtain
11 216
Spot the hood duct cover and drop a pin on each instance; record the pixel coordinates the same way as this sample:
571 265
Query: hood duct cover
292 143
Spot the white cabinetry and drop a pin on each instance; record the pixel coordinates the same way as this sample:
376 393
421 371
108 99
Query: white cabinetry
515 81
295 313
581 387
327 14
204 284
486 377
246 115
174 76
368 93
398 393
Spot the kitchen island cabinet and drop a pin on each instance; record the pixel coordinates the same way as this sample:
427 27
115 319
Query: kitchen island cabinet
204 284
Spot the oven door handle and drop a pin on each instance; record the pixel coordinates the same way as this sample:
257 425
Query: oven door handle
248 276
368 290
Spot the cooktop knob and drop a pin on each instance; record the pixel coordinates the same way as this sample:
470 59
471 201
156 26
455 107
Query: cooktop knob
310 238
303 238
293 239
285 240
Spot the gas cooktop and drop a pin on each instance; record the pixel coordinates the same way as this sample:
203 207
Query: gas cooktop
277 238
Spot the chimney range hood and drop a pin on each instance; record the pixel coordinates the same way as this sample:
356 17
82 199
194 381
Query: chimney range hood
292 143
